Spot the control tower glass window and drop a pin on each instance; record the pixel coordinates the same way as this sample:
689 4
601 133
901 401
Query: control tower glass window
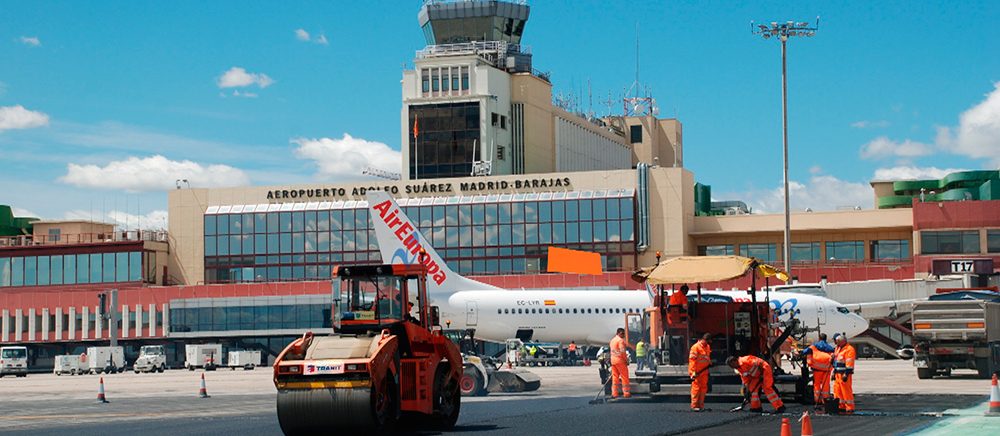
442 139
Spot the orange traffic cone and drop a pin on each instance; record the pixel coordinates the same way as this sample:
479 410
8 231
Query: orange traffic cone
100 392
994 399
786 427
203 392
807 425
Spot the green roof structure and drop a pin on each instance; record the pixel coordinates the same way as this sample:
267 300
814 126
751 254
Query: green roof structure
958 186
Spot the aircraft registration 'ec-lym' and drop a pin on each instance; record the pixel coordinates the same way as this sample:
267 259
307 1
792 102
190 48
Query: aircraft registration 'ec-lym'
584 316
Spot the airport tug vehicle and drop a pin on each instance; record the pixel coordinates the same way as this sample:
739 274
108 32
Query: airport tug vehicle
386 359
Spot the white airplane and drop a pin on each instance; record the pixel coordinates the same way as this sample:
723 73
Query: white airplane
585 316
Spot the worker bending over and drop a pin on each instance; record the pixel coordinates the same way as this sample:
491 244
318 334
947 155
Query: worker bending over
843 373
819 358
699 360
619 365
757 376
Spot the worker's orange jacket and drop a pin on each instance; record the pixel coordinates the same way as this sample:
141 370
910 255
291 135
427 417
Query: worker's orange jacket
751 368
844 359
619 349
678 298
819 361
699 358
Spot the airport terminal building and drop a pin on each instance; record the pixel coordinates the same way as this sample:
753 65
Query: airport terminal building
494 172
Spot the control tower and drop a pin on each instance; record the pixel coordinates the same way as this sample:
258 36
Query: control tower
473 105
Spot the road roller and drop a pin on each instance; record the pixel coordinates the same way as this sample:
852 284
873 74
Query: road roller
386 360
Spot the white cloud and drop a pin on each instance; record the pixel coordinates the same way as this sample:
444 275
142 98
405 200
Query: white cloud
821 192
154 220
244 94
978 132
866 124
977 136
31 41
303 35
344 158
238 77
882 147
152 173
18 212
913 173
17 117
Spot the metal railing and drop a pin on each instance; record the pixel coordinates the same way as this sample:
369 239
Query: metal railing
475 47
85 238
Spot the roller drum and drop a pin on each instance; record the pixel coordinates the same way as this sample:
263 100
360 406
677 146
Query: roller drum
323 411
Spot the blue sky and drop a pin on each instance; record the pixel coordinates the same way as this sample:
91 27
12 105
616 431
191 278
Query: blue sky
106 104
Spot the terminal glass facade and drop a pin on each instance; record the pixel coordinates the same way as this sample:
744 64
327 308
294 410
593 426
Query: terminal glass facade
274 317
484 234
443 138
73 269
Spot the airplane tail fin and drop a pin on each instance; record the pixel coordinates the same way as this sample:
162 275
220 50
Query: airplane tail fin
399 241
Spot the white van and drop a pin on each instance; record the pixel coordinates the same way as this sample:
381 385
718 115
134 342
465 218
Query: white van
68 364
208 356
14 361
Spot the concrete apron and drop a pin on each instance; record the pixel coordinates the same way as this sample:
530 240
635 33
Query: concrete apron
969 421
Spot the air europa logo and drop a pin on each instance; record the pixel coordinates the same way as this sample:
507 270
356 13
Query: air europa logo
410 238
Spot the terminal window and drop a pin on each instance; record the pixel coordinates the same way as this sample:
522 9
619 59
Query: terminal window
445 138
890 250
806 252
845 251
949 242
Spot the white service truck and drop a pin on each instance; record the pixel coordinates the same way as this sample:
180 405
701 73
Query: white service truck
208 356
68 364
246 359
101 360
152 358
14 361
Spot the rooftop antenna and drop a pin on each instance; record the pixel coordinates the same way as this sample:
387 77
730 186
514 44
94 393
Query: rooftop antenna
636 84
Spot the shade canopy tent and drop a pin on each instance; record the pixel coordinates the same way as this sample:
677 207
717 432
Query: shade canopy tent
703 269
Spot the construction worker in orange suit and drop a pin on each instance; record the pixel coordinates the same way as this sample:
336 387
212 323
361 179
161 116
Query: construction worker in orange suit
757 376
699 360
819 358
843 373
619 365
677 307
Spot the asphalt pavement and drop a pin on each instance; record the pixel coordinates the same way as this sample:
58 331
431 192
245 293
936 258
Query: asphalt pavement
243 403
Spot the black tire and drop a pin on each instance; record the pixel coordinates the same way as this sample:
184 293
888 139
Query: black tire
447 399
925 373
472 383
983 367
162 368
385 406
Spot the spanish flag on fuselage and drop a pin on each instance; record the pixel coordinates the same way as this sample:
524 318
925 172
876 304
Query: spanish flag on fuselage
550 302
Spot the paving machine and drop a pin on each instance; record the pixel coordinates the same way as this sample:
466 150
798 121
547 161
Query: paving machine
386 359
739 326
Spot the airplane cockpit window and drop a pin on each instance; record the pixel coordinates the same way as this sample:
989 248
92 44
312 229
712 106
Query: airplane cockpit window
843 310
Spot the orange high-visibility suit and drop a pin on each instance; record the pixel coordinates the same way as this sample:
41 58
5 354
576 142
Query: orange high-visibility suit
699 359
677 309
821 363
619 368
757 376
843 376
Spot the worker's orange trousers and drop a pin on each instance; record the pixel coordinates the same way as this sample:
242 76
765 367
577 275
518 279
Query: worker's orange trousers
619 380
768 388
699 387
844 391
821 386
